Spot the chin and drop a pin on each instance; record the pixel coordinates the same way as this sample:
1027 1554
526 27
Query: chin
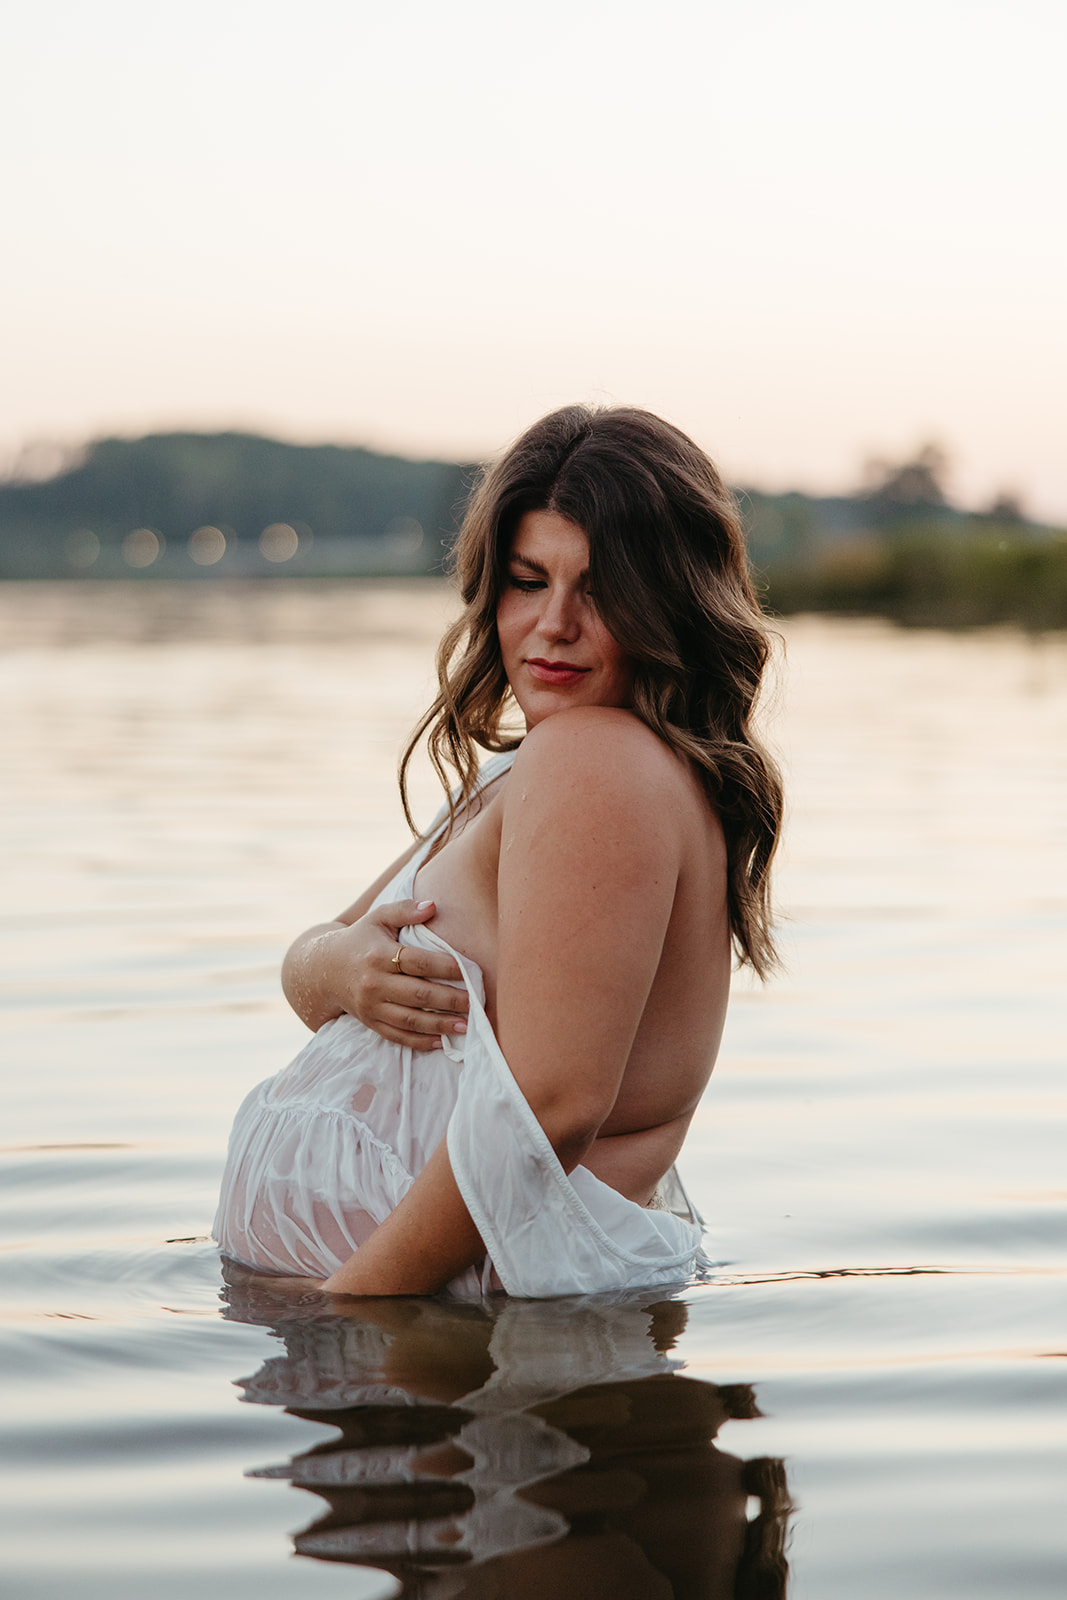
539 710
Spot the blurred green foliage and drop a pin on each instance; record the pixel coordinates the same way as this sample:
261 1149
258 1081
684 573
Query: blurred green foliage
900 549
896 548
970 573
175 483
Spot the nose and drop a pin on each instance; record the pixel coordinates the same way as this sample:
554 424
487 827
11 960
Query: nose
560 619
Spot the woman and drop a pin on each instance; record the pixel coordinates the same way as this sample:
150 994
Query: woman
586 888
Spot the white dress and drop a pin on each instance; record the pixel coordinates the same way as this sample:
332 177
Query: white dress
321 1153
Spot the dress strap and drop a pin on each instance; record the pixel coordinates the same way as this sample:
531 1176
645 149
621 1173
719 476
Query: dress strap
491 769
487 773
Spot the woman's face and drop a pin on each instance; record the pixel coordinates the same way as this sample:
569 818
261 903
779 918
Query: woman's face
556 650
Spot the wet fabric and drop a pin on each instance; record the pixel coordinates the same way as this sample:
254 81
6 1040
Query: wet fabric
321 1153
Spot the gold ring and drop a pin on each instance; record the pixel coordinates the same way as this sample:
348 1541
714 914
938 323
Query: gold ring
396 959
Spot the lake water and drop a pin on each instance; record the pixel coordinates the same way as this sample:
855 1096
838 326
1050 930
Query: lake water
873 1378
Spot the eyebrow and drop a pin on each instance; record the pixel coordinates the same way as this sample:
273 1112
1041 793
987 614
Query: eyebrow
535 566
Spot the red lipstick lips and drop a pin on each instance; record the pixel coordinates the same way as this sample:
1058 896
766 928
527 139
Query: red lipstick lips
559 673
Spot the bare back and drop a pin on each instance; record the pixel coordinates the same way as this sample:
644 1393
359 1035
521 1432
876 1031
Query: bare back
651 1065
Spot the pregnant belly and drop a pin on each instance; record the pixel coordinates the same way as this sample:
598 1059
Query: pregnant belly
320 1154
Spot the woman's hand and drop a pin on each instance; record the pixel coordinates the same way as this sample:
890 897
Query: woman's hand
349 967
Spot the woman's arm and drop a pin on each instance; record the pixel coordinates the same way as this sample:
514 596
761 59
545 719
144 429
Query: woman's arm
590 854
347 966
592 847
428 1240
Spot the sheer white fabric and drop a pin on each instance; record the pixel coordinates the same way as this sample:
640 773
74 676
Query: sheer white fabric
320 1154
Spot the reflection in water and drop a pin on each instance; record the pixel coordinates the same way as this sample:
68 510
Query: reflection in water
542 1448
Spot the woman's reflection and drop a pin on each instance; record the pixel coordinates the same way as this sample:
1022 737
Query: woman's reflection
531 1448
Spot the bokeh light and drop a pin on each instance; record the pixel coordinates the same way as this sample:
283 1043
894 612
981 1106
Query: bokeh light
279 542
404 533
82 548
141 547
207 545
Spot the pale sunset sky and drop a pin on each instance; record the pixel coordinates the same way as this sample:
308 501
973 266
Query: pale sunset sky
806 232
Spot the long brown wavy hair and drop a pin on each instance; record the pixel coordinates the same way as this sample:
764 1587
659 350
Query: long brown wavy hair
669 572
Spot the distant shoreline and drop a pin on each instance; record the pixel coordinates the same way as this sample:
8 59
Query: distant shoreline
332 613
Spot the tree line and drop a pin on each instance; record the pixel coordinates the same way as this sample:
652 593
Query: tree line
899 548
172 486
188 505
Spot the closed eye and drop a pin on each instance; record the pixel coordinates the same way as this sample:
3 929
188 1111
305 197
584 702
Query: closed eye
525 585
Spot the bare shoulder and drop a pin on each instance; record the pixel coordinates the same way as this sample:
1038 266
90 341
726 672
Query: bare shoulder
594 765
603 740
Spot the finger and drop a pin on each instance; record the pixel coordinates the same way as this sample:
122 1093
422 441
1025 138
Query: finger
432 964
403 913
413 1020
423 1043
440 997
416 962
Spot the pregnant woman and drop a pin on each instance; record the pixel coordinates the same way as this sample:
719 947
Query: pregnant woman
564 932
